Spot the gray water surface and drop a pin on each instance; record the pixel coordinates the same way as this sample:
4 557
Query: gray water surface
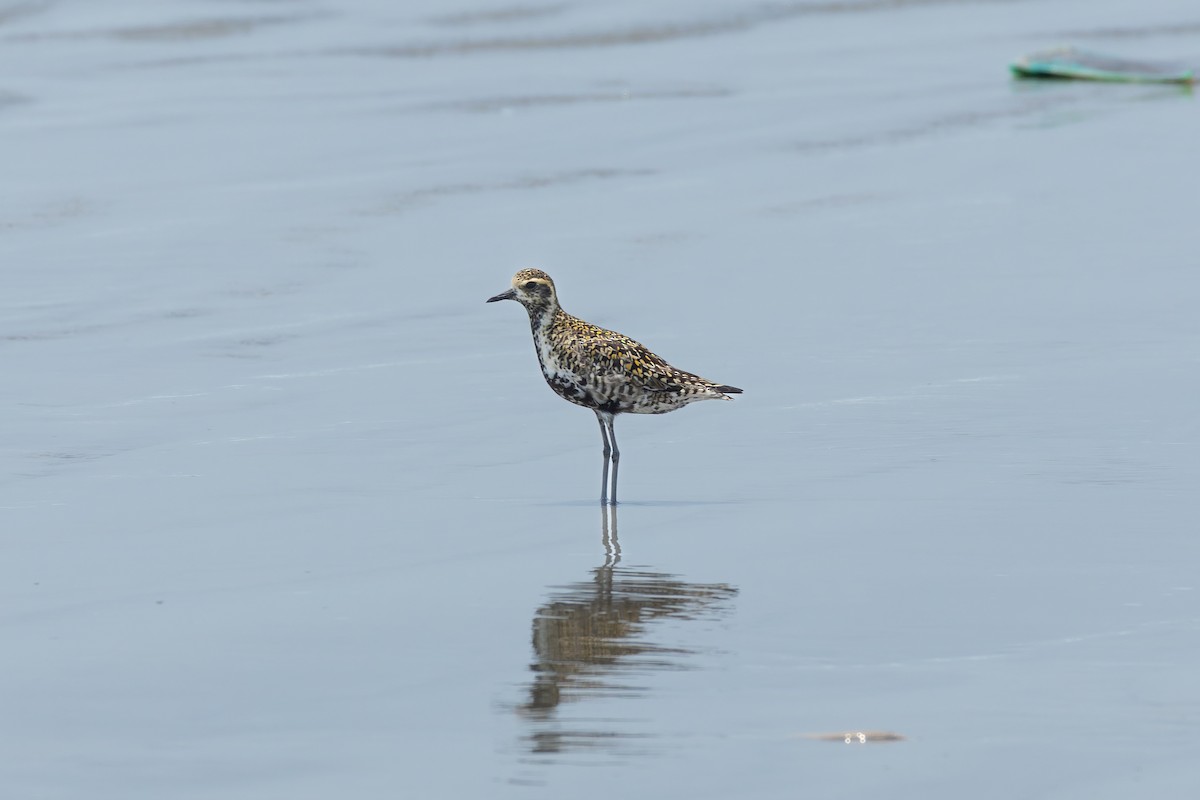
288 512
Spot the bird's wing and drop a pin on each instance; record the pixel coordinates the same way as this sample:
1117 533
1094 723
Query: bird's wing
612 355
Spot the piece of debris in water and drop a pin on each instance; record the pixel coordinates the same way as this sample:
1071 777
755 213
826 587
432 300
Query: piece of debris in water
856 737
1069 63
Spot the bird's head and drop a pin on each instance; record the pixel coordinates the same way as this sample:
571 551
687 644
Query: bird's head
531 288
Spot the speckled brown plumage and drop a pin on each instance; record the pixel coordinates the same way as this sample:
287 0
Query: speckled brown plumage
602 369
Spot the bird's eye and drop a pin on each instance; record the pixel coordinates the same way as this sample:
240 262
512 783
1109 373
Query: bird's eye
531 285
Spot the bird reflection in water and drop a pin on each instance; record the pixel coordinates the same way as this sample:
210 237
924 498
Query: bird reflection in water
592 638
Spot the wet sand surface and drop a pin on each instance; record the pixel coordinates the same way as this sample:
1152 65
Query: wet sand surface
288 511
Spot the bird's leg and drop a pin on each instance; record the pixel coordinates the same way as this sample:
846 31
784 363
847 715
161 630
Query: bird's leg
616 457
612 546
607 453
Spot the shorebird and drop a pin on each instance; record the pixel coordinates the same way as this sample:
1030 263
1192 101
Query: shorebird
600 369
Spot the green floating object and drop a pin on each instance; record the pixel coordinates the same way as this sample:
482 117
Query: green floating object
1069 63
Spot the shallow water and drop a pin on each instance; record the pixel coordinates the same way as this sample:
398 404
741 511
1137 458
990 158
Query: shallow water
287 510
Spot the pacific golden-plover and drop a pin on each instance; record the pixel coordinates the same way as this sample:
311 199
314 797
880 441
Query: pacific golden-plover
600 369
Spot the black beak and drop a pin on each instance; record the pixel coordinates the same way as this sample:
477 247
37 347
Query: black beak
511 294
